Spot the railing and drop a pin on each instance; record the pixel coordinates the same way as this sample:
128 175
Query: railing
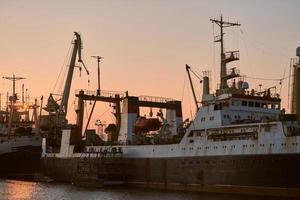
104 93
232 55
155 99
233 71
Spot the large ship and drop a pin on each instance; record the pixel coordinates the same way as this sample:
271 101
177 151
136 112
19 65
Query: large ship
240 140
20 140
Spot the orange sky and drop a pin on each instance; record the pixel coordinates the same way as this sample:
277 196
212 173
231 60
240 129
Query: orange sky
145 44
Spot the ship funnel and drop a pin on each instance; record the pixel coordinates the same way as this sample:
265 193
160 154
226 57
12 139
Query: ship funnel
205 85
298 52
296 87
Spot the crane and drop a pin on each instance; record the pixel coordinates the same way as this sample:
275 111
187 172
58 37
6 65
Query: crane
188 69
76 50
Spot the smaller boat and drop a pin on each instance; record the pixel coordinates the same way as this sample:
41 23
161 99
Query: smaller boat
144 125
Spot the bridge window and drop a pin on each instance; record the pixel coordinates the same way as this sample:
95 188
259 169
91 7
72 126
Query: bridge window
250 103
235 103
257 104
217 107
244 103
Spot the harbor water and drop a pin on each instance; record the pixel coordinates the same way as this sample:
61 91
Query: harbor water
23 190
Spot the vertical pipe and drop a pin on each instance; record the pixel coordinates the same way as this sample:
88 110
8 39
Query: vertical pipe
23 94
80 111
205 85
98 92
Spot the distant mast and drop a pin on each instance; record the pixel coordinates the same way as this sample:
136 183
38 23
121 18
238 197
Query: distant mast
14 79
226 57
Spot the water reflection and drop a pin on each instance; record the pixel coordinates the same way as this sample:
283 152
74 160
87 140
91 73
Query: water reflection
19 190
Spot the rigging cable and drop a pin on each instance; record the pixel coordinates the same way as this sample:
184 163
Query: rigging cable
267 79
280 83
247 50
62 67
183 88
88 74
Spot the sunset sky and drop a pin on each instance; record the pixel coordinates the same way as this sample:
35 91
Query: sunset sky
145 44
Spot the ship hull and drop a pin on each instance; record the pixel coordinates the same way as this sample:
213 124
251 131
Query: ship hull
209 173
22 163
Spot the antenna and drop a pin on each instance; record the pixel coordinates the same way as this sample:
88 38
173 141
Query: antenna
98 60
13 79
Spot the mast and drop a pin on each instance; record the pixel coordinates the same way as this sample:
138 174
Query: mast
98 60
225 56
13 79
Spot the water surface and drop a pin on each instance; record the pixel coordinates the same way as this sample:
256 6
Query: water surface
23 190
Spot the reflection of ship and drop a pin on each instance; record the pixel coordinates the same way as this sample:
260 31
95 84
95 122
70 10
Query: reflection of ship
240 140
20 142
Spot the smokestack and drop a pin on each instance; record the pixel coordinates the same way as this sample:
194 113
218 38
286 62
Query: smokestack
205 85
296 88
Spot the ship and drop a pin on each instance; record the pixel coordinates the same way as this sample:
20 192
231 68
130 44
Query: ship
20 140
240 140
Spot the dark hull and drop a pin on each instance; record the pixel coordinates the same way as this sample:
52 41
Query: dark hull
21 164
200 173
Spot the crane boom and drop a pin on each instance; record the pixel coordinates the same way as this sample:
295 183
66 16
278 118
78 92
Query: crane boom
77 46
188 68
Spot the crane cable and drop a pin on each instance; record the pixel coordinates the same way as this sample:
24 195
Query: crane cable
267 79
183 88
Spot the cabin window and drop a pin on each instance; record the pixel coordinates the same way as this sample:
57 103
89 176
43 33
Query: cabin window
198 133
191 134
257 104
269 105
264 105
225 104
250 103
277 106
237 117
244 103
217 107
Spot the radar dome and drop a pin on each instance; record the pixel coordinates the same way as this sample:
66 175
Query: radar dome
245 85
298 52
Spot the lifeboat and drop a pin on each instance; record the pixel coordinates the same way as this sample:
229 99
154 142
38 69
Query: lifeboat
143 125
